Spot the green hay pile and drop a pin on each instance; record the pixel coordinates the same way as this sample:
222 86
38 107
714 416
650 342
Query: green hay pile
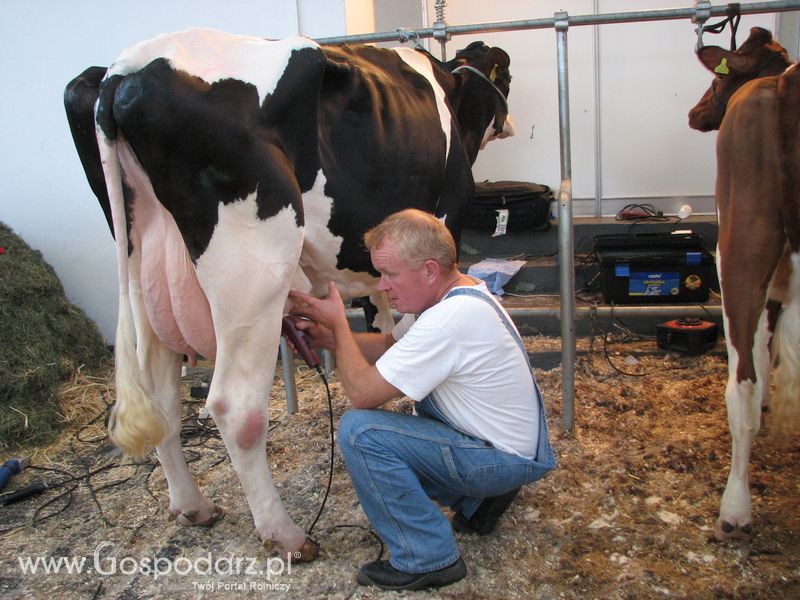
44 339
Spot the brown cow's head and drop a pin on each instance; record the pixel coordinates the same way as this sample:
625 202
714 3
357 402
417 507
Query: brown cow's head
759 56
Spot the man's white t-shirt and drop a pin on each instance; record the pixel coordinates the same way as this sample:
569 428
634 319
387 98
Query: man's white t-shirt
460 351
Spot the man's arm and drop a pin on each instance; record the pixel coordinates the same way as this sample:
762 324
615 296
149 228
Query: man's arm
373 345
363 383
355 353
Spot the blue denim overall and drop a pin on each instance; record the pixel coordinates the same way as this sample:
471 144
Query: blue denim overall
399 463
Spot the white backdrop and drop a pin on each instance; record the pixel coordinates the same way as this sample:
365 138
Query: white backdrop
647 81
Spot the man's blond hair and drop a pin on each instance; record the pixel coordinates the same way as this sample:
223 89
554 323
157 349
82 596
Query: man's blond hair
418 235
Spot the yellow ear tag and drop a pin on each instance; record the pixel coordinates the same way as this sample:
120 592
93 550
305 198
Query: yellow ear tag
493 74
722 67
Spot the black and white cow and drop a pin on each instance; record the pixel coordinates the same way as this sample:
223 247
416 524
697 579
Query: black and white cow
233 169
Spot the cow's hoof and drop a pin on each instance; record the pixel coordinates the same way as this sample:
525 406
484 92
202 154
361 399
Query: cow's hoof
191 518
308 551
724 531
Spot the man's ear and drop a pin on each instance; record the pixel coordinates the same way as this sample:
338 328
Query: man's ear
432 270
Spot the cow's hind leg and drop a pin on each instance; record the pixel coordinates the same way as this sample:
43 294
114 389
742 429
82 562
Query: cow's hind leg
161 377
246 273
747 328
186 502
743 401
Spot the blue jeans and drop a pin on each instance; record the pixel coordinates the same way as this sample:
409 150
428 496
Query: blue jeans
399 462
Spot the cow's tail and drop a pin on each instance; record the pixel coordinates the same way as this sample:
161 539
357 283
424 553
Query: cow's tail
136 423
787 374
786 408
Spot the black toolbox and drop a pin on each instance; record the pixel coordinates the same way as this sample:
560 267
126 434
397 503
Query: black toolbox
664 267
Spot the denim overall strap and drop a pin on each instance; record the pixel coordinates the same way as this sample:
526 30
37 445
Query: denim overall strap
467 291
544 452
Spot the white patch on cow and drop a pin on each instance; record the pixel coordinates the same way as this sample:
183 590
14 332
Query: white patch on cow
321 247
744 422
383 319
422 65
509 130
268 249
214 55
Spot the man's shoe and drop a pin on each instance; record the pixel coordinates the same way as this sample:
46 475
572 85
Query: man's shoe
383 575
485 518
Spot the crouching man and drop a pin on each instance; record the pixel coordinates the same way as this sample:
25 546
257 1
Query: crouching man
479 432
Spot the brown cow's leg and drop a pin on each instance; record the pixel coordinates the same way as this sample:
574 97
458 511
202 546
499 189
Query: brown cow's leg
744 418
748 334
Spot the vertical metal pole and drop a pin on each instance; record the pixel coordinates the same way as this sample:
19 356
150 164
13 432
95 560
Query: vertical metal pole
440 27
565 233
287 360
328 362
598 124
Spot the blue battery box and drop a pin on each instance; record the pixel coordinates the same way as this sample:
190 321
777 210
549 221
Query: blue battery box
668 267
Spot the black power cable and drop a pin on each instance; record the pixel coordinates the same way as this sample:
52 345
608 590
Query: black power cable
630 332
194 433
333 443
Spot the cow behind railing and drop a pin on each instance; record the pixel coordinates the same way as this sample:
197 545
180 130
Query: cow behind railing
754 101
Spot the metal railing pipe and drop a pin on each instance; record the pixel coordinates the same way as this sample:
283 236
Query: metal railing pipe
290 385
566 266
574 21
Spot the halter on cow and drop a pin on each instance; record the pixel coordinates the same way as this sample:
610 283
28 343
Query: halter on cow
232 169
758 252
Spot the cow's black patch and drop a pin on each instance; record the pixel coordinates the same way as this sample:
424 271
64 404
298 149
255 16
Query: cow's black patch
376 135
381 140
381 144
204 144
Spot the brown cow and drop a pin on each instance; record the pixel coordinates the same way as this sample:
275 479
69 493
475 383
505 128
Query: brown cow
759 56
758 255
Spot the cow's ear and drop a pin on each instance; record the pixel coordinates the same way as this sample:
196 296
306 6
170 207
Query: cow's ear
496 56
496 67
759 36
715 59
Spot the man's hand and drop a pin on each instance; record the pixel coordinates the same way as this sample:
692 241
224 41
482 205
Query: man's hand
317 335
329 329
326 313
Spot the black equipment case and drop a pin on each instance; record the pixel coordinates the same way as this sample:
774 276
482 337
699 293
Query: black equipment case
654 267
528 205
